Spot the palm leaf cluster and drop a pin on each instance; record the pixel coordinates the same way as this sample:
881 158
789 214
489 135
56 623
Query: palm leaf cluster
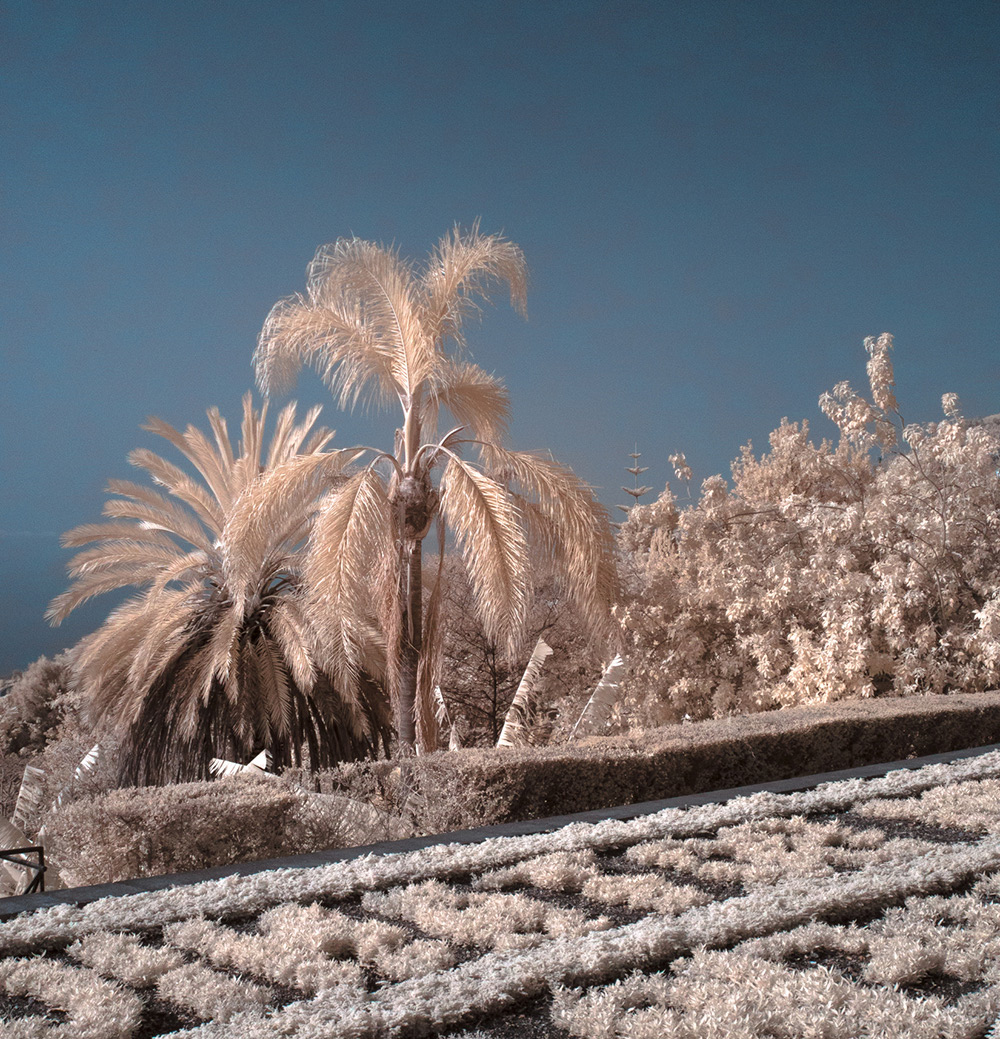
381 329
217 656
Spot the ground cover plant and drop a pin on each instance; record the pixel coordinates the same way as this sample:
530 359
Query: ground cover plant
863 907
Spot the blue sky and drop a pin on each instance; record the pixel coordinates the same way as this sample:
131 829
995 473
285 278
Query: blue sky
718 200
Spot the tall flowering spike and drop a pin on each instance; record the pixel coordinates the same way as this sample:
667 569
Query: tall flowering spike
880 372
635 491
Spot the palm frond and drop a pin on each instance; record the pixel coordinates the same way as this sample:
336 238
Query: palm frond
441 715
88 532
180 485
28 806
247 467
118 553
276 690
220 768
520 716
567 525
260 765
278 450
465 266
165 628
117 564
192 567
13 878
383 284
223 649
443 718
487 526
220 430
87 764
602 701
351 532
289 626
315 441
479 401
426 714
91 585
288 438
336 339
261 762
151 509
195 447
274 509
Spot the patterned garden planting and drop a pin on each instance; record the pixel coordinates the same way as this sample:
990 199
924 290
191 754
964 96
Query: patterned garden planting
860 908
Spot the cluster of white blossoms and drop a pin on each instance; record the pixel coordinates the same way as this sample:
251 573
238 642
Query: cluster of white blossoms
826 571
706 921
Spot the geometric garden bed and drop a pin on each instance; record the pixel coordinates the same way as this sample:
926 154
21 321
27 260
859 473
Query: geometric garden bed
864 907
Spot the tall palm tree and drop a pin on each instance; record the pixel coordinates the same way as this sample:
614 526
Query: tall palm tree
379 328
215 656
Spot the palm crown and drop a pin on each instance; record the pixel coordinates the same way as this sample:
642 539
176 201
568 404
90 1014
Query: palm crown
381 329
216 656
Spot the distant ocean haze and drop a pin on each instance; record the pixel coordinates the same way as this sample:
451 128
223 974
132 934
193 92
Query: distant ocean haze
32 573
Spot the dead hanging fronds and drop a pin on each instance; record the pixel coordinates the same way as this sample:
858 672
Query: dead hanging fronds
523 710
598 709
28 807
494 548
257 766
218 655
444 720
13 878
566 525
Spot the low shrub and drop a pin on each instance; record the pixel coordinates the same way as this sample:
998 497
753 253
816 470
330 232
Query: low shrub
146 831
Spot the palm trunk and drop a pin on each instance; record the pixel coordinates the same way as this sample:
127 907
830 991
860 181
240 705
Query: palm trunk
411 643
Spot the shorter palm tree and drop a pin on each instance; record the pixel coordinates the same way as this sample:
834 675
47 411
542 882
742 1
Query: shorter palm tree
216 656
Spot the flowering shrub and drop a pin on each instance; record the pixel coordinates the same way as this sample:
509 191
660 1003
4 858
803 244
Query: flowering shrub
865 568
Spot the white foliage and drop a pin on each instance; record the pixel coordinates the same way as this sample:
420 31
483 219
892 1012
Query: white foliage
517 725
826 571
29 798
602 701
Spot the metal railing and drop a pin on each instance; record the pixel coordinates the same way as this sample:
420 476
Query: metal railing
38 880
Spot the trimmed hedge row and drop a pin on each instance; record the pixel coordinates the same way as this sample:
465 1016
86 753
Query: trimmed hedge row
154 830
147 831
459 789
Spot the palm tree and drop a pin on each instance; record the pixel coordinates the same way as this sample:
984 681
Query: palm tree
216 657
380 329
